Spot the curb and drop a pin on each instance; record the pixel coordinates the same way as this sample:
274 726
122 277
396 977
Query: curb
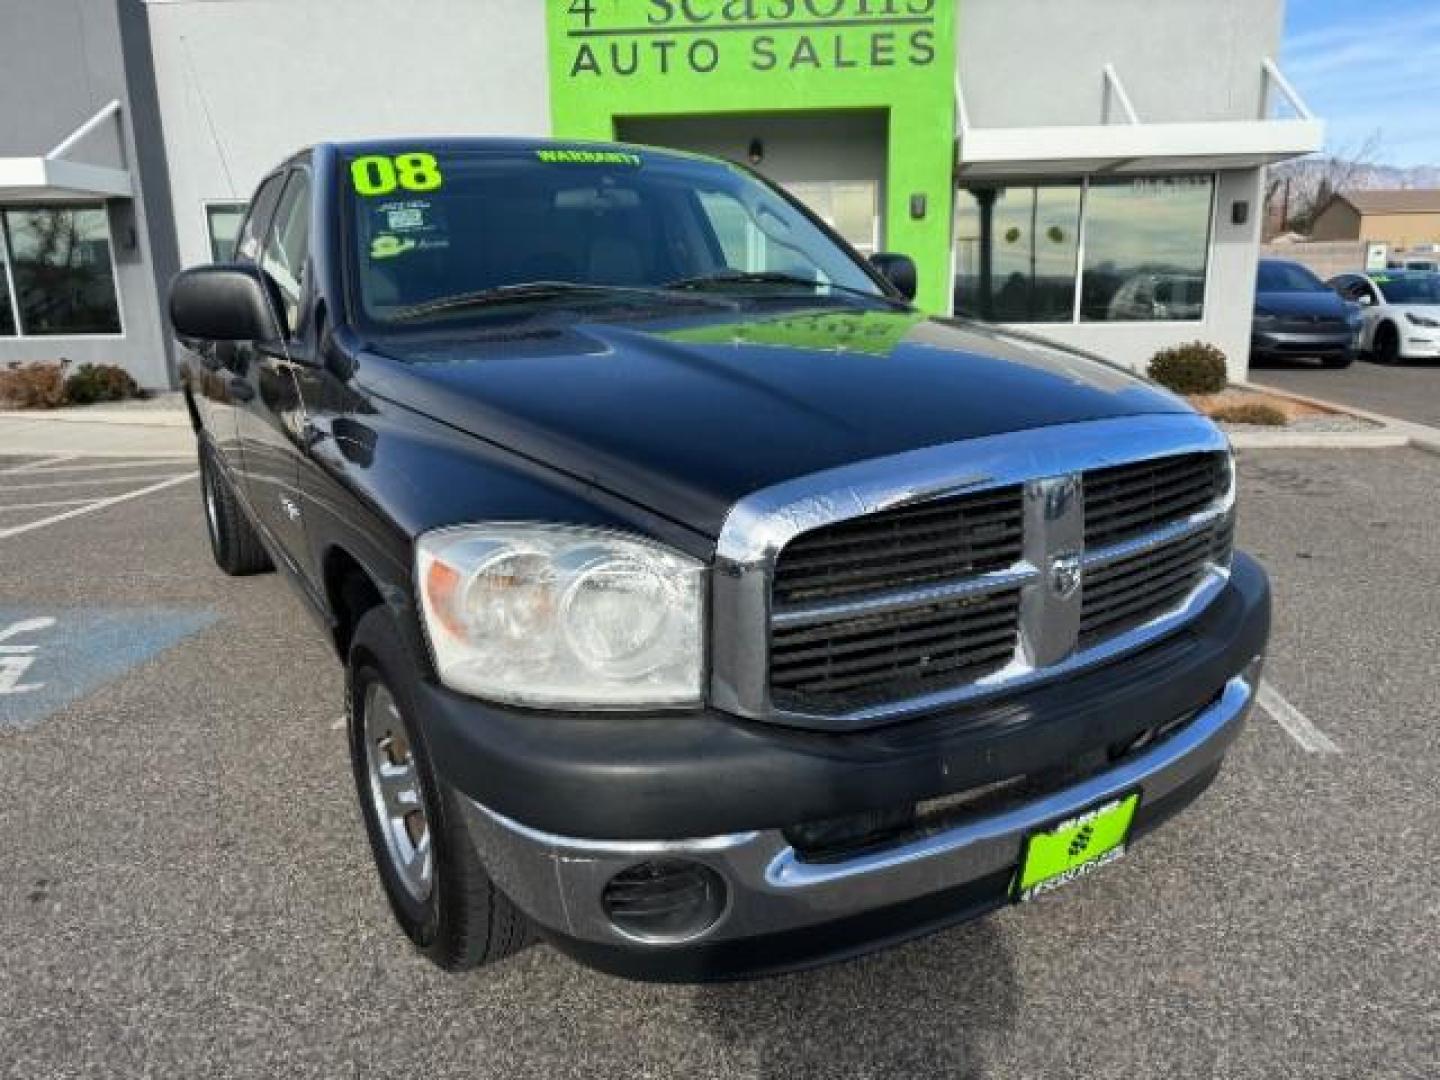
1393 433
1319 440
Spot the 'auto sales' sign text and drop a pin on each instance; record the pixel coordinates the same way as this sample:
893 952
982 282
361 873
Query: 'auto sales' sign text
625 39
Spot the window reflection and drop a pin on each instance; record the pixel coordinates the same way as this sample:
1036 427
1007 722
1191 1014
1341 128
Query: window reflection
1015 250
64 281
223 224
7 309
1145 247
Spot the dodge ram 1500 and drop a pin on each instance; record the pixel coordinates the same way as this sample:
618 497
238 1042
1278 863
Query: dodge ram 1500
705 607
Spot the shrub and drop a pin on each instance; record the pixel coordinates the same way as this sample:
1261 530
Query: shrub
1195 368
34 385
99 382
1260 413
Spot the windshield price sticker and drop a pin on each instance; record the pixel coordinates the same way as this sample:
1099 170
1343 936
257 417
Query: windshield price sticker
401 226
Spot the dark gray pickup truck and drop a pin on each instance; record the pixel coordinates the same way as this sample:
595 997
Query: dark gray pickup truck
706 608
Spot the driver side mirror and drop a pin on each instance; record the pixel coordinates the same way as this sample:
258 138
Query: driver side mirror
225 302
899 270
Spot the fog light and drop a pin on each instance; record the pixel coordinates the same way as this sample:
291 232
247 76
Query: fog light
665 900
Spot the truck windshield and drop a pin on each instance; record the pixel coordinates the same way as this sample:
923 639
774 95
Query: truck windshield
452 235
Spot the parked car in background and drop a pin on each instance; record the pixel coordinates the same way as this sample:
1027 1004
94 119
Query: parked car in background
1296 315
1400 312
1146 297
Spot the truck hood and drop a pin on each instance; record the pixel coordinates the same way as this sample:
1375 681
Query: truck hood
685 416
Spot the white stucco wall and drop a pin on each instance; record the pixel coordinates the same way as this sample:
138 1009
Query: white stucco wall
1032 63
244 83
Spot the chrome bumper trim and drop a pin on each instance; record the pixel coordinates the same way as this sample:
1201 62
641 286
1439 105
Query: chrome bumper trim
558 880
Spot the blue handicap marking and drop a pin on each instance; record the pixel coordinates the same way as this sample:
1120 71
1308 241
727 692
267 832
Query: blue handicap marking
52 657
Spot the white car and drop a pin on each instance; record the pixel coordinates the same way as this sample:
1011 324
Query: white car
1401 312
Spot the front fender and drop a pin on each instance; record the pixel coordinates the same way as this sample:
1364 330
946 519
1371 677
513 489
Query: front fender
378 475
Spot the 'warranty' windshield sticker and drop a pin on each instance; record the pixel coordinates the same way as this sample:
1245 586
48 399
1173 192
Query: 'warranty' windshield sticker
588 157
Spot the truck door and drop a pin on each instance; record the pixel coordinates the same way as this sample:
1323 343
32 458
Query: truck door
221 381
271 416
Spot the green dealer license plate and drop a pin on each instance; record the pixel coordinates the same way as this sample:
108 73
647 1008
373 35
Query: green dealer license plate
1077 846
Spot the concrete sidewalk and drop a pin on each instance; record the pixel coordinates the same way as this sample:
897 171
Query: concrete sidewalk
96 433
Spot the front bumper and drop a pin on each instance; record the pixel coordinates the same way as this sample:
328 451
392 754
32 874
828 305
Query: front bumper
773 891
1420 344
1284 343
558 805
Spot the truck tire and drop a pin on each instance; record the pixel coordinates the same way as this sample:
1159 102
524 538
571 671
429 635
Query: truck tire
439 892
233 539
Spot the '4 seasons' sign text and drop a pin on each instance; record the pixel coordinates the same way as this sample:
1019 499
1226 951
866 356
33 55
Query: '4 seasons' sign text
620 39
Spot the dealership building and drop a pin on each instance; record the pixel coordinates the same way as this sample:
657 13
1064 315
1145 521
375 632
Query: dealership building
1090 170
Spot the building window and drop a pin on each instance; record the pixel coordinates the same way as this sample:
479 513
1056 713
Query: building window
59 262
1145 248
222 225
1104 250
1031 234
7 305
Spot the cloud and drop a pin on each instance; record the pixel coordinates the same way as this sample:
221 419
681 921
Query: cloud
1363 71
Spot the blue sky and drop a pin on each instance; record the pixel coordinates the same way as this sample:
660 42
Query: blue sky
1367 66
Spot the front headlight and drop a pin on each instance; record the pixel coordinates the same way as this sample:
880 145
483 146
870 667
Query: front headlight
562 616
1421 320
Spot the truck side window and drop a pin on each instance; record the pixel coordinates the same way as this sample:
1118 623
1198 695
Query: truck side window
288 243
247 244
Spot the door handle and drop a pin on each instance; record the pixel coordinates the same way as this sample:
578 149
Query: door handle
241 390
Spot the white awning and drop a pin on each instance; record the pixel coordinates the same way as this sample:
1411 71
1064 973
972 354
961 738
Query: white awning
53 178
1133 146
37 179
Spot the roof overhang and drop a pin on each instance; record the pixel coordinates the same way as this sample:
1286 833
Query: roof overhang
1134 148
51 179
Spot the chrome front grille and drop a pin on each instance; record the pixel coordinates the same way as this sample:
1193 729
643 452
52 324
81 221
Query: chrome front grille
1132 590
1126 501
903 547
876 657
893 587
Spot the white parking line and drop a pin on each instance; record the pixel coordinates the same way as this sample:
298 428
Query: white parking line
16 530
84 483
30 466
44 505
1311 739
49 468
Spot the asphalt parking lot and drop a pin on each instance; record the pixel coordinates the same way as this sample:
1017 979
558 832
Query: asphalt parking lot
187 889
1409 391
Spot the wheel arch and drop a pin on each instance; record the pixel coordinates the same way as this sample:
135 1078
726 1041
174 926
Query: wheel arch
351 590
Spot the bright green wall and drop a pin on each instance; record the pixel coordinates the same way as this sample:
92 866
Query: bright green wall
777 56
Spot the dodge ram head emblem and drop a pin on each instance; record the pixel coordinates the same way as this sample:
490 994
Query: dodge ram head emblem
1065 576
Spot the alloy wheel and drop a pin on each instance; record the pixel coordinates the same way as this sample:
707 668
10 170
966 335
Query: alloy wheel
395 793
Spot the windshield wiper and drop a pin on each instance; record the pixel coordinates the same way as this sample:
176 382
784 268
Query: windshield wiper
519 293
772 277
